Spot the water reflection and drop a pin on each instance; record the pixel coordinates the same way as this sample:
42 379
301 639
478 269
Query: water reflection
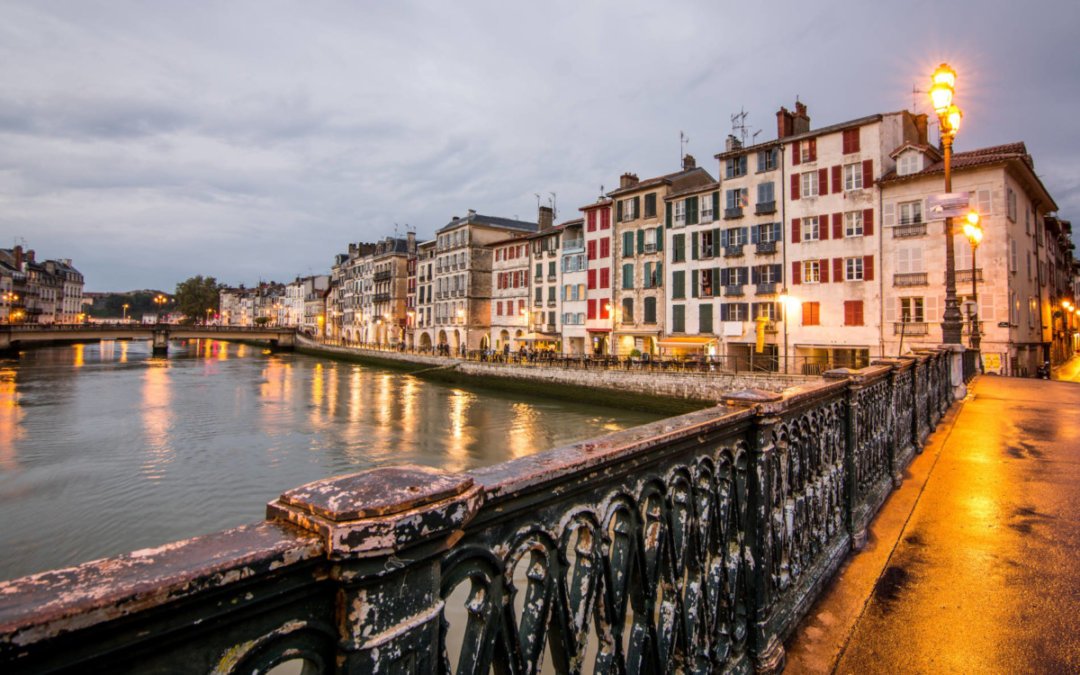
129 450
80 359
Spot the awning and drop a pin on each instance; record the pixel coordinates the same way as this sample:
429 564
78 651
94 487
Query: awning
598 330
539 337
686 341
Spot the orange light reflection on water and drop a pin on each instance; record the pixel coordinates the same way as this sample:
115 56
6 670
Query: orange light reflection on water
80 356
461 436
157 420
11 417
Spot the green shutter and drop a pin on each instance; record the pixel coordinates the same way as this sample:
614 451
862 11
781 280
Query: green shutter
691 210
640 241
678 284
627 243
618 211
659 239
716 205
659 274
694 284
667 212
693 246
637 207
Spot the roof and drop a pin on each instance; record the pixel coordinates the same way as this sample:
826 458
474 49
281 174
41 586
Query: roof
601 201
490 221
553 230
708 187
813 133
666 179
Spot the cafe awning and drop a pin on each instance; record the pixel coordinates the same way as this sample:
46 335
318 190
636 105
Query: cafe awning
685 342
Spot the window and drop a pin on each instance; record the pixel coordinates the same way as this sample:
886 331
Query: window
909 163
705 318
628 310
590 308
767 274
910 212
736 236
808 150
811 230
605 219
650 205
650 310
737 199
853 224
551 268
809 184
605 309
707 283
629 209
850 141
678 284
735 167
853 176
767 310
591 248
765 233
538 296
911 310
707 209
811 271
1010 203
591 219
678 318
853 312
628 276
1012 255
678 248
853 269
680 213
605 277
811 314
734 311
707 244
766 192
605 247
539 271
627 244
590 277
766 160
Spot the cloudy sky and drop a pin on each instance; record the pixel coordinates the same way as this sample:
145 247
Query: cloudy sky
152 141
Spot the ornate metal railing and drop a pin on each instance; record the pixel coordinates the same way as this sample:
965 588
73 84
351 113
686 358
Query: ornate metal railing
693 544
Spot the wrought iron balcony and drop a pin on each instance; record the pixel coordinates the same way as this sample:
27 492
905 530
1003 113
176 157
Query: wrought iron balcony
910 279
733 251
765 207
964 275
765 247
383 276
731 214
734 290
909 230
911 328
767 288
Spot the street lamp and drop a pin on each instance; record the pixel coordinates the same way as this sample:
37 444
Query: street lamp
125 308
974 234
949 115
160 301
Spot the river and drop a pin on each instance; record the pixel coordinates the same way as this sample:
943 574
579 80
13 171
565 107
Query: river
105 449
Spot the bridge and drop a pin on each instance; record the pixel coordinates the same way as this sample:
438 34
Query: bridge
14 336
692 544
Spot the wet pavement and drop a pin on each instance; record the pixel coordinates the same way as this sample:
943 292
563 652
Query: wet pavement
972 565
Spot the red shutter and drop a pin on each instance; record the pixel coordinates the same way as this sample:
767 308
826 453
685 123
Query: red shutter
592 250
838 269
591 309
813 149
794 186
837 179
868 174
795 159
796 230
591 276
823 181
823 227
847 312
823 265
838 226
868 268
868 222
796 273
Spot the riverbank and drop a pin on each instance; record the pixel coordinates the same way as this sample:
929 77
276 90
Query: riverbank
648 390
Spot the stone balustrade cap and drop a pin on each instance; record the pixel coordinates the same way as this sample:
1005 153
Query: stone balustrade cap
752 395
376 492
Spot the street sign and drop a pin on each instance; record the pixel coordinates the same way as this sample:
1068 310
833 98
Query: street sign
948 205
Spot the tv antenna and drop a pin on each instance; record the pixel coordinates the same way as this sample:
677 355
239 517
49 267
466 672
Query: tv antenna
553 200
684 140
738 125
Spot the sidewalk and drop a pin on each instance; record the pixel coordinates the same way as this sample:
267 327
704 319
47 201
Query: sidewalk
971 565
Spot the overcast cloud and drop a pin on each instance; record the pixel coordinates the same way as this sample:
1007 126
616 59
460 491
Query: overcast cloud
152 141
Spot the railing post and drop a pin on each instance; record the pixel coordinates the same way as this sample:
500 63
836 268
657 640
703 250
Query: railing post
895 469
851 466
384 529
767 649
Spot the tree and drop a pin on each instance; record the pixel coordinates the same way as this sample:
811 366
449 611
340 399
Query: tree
197 295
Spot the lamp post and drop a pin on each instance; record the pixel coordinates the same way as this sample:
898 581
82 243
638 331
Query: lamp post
974 234
160 302
949 115
125 308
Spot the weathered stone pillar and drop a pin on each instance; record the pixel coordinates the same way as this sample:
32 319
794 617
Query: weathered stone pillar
384 530
160 344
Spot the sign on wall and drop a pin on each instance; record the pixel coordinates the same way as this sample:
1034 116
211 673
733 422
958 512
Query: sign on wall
948 205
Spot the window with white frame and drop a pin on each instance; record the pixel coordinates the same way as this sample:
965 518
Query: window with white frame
910 212
811 271
806 153
766 160
680 212
706 208
853 269
911 310
811 230
809 184
852 177
1010 203
737 198
853 224
909 163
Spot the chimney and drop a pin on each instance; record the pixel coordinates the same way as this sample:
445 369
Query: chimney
472 212
30 256
732 143
410 242
547 216
18 258
688 162
800 121
628 180
922 130
784 123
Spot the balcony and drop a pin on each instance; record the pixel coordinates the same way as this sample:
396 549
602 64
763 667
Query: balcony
910 279
731 214
382 297
766 288
383 276
650 248
963 276
552 277
733 291
707 216
765 247
733 251
552 252
771 327
573 245
909 230
762 208
911 328
549 328
551 303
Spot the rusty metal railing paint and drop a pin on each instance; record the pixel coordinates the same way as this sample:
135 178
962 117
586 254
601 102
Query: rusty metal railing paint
692 544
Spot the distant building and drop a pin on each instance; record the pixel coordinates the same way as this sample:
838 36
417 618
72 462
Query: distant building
45 292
